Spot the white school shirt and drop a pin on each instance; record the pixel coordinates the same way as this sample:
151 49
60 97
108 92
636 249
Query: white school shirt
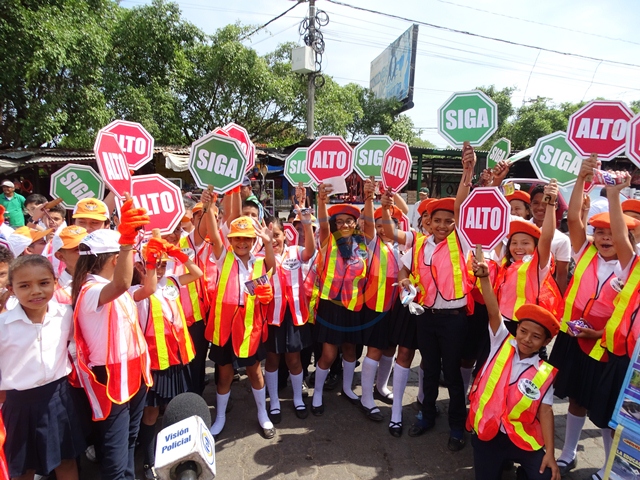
430 246
519 365
34 354
560 245
94 320
605 267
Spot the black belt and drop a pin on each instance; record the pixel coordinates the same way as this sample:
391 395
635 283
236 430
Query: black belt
443 311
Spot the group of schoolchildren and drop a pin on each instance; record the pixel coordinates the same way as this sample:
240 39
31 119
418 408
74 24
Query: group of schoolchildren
100 328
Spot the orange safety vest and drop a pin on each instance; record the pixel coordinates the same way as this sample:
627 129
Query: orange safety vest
340 279
192 295
446 274
167 333
246 325
476 289
493 401
622 330
4 470
519 283
292 287
585 299
61 295
125 341
379 292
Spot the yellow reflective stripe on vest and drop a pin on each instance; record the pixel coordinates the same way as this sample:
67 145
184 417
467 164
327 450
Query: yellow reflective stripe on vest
354 289
185 329
454 254
581 267
382 276
622 303
249 309
194 296
330 269
229 261
521 284
504 356
415 269
158 329
525 402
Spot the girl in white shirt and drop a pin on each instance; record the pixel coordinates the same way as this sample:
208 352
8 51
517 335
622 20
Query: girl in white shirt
34 363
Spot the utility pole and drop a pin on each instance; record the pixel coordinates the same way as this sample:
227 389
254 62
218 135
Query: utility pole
311 86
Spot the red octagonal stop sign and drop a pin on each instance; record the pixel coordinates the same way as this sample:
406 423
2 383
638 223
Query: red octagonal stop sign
328 157
484 217
396 166
112 163
134 140
633 140
161 198
248 148
599 127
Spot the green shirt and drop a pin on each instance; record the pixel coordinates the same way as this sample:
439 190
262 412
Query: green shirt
14 207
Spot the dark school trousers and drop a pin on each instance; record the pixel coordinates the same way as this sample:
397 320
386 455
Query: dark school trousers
489 456
116 438
441 337
198 364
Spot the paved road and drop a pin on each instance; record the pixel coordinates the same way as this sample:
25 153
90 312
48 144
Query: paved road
343 444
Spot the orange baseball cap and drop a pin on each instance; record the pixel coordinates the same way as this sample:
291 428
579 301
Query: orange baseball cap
631 205
68 238
522 226
344 209
519 195
603 220
539 315
424 205
242 227
22 237
91 208
442 204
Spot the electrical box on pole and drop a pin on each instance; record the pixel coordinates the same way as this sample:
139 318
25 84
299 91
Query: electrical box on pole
303 60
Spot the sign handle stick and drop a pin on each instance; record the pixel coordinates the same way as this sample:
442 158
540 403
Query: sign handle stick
155 233
479 253
206 207
594 157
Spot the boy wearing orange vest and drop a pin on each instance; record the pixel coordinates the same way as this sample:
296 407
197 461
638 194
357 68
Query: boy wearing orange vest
510 412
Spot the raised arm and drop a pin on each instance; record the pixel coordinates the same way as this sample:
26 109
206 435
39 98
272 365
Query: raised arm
468 165
266 234
500 172
577 228
323 214
369 222
400 203
154 250
309 241
481 271
388 225
548 225
212 225
619 231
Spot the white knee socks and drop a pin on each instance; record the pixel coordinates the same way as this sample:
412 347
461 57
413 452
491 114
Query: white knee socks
321 376
221 416
347 378
261 403
296 385
400 377
571 437
369 367
271 379
384 372
607 439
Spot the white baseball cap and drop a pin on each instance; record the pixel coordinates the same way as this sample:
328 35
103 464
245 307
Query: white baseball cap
7 183
100 241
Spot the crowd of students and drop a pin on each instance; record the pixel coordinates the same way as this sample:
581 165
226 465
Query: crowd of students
101 328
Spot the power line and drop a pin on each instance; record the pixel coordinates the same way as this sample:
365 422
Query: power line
538 23
272 20
486 37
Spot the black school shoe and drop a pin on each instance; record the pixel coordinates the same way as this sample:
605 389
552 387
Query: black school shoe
420 427
456 441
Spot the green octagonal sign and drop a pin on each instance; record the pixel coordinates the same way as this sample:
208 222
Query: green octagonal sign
468 117
553 157
498 152
217 161
295 168
368 156
73 183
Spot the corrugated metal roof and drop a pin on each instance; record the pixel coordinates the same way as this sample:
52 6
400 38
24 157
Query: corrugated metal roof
37 159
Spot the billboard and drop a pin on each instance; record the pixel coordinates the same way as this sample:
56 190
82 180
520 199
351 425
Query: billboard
393 71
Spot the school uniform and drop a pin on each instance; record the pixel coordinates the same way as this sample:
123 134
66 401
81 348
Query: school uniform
170 346
441 277
237 326
589 297
289 312
114 369
504 402
34 365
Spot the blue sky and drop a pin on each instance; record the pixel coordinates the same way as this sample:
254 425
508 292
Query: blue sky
448 62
